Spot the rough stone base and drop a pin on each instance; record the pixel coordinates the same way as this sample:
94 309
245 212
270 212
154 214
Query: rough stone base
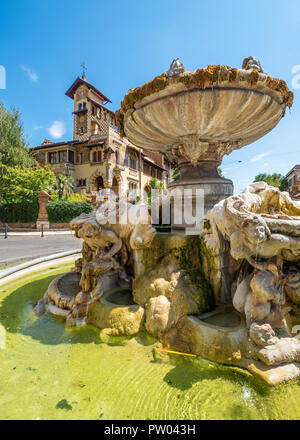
43 223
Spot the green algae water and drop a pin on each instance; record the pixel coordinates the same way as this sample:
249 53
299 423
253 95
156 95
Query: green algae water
50 372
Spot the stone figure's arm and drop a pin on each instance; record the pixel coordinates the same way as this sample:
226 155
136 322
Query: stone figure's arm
112 238
141 236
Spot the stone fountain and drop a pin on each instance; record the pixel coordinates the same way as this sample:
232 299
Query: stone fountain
230 294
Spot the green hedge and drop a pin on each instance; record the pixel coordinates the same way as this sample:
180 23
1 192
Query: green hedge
62 211
23 212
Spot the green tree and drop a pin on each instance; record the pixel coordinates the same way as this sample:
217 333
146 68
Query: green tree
24 184
13 151
175 174
155 184
220 172
275 179
66 184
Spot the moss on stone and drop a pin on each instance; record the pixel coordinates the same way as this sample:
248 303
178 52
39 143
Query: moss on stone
201 78
191 261
254 77
120 122
280 86
136 95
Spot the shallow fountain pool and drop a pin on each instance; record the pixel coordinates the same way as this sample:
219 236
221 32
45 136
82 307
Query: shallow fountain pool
50 372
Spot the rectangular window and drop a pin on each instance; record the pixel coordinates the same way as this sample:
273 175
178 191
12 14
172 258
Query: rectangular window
52 157
132 163
71 156
63 156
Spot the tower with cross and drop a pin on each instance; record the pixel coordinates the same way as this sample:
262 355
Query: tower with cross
91 117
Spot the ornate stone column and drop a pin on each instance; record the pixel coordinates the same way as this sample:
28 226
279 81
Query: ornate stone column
198 163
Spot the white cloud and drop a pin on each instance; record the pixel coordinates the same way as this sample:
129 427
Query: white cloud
57 129
37 127
30 73
260 156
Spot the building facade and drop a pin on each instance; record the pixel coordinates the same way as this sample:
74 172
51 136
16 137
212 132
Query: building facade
293 178
98 157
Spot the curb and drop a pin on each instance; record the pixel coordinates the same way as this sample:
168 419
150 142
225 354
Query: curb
37 233
6 272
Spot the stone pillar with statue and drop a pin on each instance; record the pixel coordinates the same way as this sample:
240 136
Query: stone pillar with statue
43 220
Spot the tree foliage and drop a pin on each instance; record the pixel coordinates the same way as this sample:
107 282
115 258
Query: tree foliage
23 184
13 151
277 180
66 184
155 184
175 174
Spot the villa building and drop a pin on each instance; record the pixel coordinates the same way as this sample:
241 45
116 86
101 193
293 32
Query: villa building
98 157
293 178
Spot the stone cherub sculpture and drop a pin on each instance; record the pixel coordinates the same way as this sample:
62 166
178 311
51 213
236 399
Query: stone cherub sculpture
260 231
112 241
176 68
262 227
252 63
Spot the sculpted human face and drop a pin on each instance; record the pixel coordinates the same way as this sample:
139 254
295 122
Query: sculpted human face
255 231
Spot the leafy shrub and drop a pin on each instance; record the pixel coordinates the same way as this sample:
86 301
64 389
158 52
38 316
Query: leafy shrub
25 212
62 211
74 197
77 197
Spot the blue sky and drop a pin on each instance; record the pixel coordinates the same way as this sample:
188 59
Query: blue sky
125 43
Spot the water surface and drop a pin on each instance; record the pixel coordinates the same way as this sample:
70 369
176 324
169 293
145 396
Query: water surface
50 372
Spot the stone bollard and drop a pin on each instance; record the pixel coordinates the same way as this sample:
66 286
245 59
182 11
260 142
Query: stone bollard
43 198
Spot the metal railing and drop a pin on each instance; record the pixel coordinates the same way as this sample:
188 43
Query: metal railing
5 233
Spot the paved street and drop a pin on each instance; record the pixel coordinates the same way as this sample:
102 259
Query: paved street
19 248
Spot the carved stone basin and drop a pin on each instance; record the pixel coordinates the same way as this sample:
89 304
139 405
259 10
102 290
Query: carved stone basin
118 297
223 317
208 122
116 313
195 118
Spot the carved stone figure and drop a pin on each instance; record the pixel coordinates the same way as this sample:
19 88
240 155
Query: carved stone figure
176 68
110 251
252 63
262 228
